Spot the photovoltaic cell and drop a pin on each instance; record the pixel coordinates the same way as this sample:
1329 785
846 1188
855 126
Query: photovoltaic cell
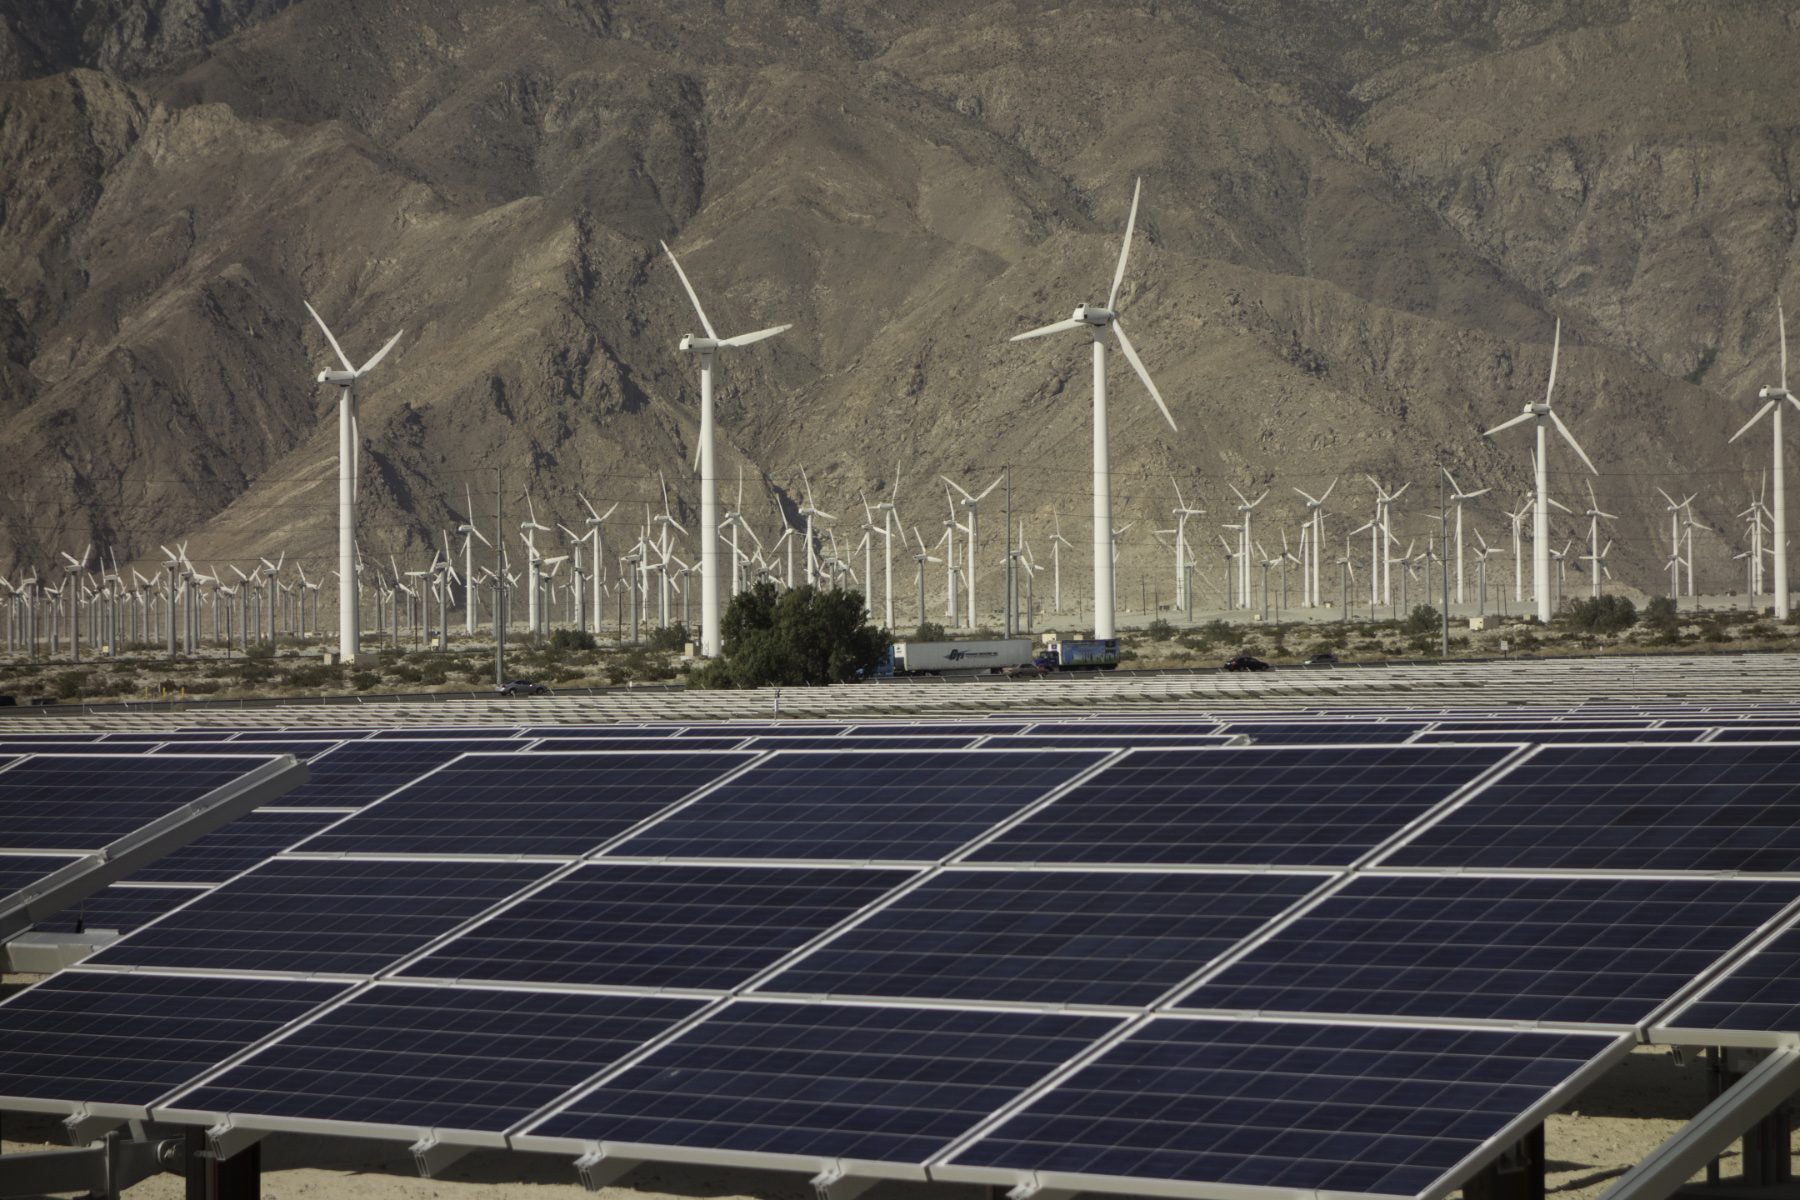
658 925
348 916
536 803
599 731
1761 994
22 870
861 741
1323 733
121 907
1122 727
663 745
871 1083
238 846
1757 733
1094 737
1708 807
893 805
359 773
1071 937
440 1057
446 735
1503 947
1283 806
1378 1110
81 802
127 1038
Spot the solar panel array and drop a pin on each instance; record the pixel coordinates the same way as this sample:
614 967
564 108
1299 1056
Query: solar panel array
1069 962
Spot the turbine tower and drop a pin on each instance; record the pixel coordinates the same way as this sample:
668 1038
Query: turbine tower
1772 398
1540 515
707 347
1459 497
1095 321
349 476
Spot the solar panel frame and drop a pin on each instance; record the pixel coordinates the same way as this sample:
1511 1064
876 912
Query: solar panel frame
377 770
135 813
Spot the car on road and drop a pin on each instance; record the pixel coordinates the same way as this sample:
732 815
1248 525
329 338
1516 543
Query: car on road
1244 662
1324 658
523 687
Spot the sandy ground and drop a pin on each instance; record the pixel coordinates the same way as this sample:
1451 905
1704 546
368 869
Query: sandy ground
1607 1130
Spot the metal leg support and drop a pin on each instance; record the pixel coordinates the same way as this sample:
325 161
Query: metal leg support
211 1177
1518 1174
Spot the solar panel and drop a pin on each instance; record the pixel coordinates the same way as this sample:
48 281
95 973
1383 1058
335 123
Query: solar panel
121 907
1656 808
666 745
1119 727
827 1080
860 741
437 1057
34 735
1092 736
153 737
599 731
892 805
357 774
81 802
1510 947
539 803
1383 1110
1760 994
1322 733
1057 937
405 734
302 750
348 916
238 846
1756 733
1553 736
658 925
1284 806
127 1038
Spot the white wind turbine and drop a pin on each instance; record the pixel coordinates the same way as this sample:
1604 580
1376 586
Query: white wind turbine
890 522
528 531
1540 517
1459 497
973 532
919 560
810 510
1095 322
595 524
1381 566
1182 511
470 533
1057 542
1595 554
1315 545
1245 506
1518 545
707 347
349 479
1772 398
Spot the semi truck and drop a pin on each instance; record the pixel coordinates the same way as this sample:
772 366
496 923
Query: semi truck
956 658
1090 654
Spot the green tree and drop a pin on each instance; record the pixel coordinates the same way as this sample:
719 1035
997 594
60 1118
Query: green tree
1603 614
804 637
1662 616
1423 619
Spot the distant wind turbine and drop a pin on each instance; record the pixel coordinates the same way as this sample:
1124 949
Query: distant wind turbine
1772 398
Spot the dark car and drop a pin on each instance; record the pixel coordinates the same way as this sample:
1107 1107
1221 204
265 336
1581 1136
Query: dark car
1244 662
523 687
1325 659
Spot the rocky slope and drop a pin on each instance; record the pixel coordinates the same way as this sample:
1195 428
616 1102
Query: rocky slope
1361 219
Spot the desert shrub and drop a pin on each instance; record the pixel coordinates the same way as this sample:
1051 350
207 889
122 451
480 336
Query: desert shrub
805 636
1662 617
1423 619
576 639
671 639
1159 630
931 631
316 675
1602 614
365 681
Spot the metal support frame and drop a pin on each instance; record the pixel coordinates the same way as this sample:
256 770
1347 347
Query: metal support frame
1033 1190
226 1141
1517 1174
1764 1087
431 1157
104 1168
597 1169
834 1183
235 1174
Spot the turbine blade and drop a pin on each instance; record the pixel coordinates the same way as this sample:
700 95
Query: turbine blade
704 323
1573 444
1518 420
1781 320
745 339
339 350
1047 330
1112 297
959 487
1760 414
381 353
1137 364
1555 352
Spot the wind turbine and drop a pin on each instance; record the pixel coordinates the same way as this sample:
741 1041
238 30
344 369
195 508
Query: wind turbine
596 526
707 348
1316 506
973 504
1459 497
1595 554
470 532
809 511
890 521
1382 564
349 479
1057 542
1182 511
1095 322
1245 506
1772 398
919 560
1540 517
528 531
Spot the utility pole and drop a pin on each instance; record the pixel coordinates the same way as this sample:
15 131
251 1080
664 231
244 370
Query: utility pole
1012 598
499 584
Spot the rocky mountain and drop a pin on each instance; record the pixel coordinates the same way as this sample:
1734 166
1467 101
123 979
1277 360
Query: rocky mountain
1360 221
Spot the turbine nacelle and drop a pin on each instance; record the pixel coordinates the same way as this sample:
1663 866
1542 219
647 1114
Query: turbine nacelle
341 378
1094 314
692 344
